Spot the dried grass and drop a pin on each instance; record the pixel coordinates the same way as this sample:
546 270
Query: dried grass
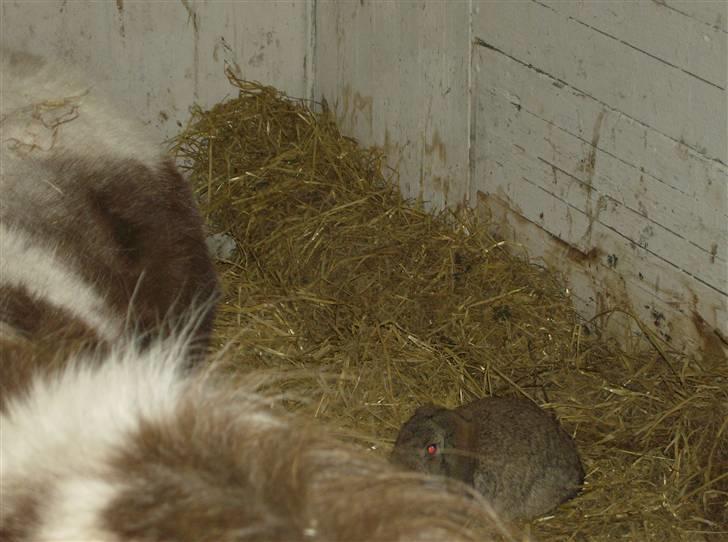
386 306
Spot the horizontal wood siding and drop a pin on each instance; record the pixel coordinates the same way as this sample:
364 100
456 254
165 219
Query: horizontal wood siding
601 144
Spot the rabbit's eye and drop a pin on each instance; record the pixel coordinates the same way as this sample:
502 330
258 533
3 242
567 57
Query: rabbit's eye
432 449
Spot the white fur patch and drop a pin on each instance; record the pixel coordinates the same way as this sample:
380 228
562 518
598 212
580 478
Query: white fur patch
74 512
64 434
46 276
70 422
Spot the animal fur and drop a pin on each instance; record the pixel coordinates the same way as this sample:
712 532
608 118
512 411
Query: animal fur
106 434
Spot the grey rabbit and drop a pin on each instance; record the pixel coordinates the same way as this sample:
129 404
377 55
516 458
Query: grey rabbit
509 449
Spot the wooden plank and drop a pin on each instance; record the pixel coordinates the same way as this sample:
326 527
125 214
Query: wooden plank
644 281
160 57
713 13
595 288
522 184
599 185
591 223
396 74
651 28
679 189
676 104
556 161
631 141
572 212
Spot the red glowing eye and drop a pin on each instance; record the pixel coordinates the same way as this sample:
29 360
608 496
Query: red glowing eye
432 449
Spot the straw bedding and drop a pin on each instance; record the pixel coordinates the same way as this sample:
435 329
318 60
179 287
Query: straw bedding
379 306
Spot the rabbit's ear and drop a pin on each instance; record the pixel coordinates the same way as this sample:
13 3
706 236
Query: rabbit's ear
427 411
454 427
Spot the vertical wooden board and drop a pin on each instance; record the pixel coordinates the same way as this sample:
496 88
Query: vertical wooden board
664 98
652 28
396 74
161 57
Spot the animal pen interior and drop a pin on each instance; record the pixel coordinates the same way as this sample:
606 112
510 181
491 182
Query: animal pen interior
537 206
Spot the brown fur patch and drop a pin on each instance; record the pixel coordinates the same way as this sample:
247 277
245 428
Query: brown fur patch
215 473
159 249
20 515
43 336
131 230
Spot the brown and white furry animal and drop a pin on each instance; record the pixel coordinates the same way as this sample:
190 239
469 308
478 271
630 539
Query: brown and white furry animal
105 433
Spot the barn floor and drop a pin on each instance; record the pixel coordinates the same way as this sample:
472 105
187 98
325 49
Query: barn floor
376 306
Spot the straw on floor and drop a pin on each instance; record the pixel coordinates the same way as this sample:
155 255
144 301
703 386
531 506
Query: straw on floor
385 306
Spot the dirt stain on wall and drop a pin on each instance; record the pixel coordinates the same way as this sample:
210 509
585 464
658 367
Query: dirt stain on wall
589 163
436 147
120 9
354 104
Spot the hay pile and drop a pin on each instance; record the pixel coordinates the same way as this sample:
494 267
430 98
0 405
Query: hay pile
387 307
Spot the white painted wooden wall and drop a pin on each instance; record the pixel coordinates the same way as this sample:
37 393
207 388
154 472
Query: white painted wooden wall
595 132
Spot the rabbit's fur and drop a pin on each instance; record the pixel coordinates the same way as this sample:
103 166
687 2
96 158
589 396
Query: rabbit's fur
509 449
